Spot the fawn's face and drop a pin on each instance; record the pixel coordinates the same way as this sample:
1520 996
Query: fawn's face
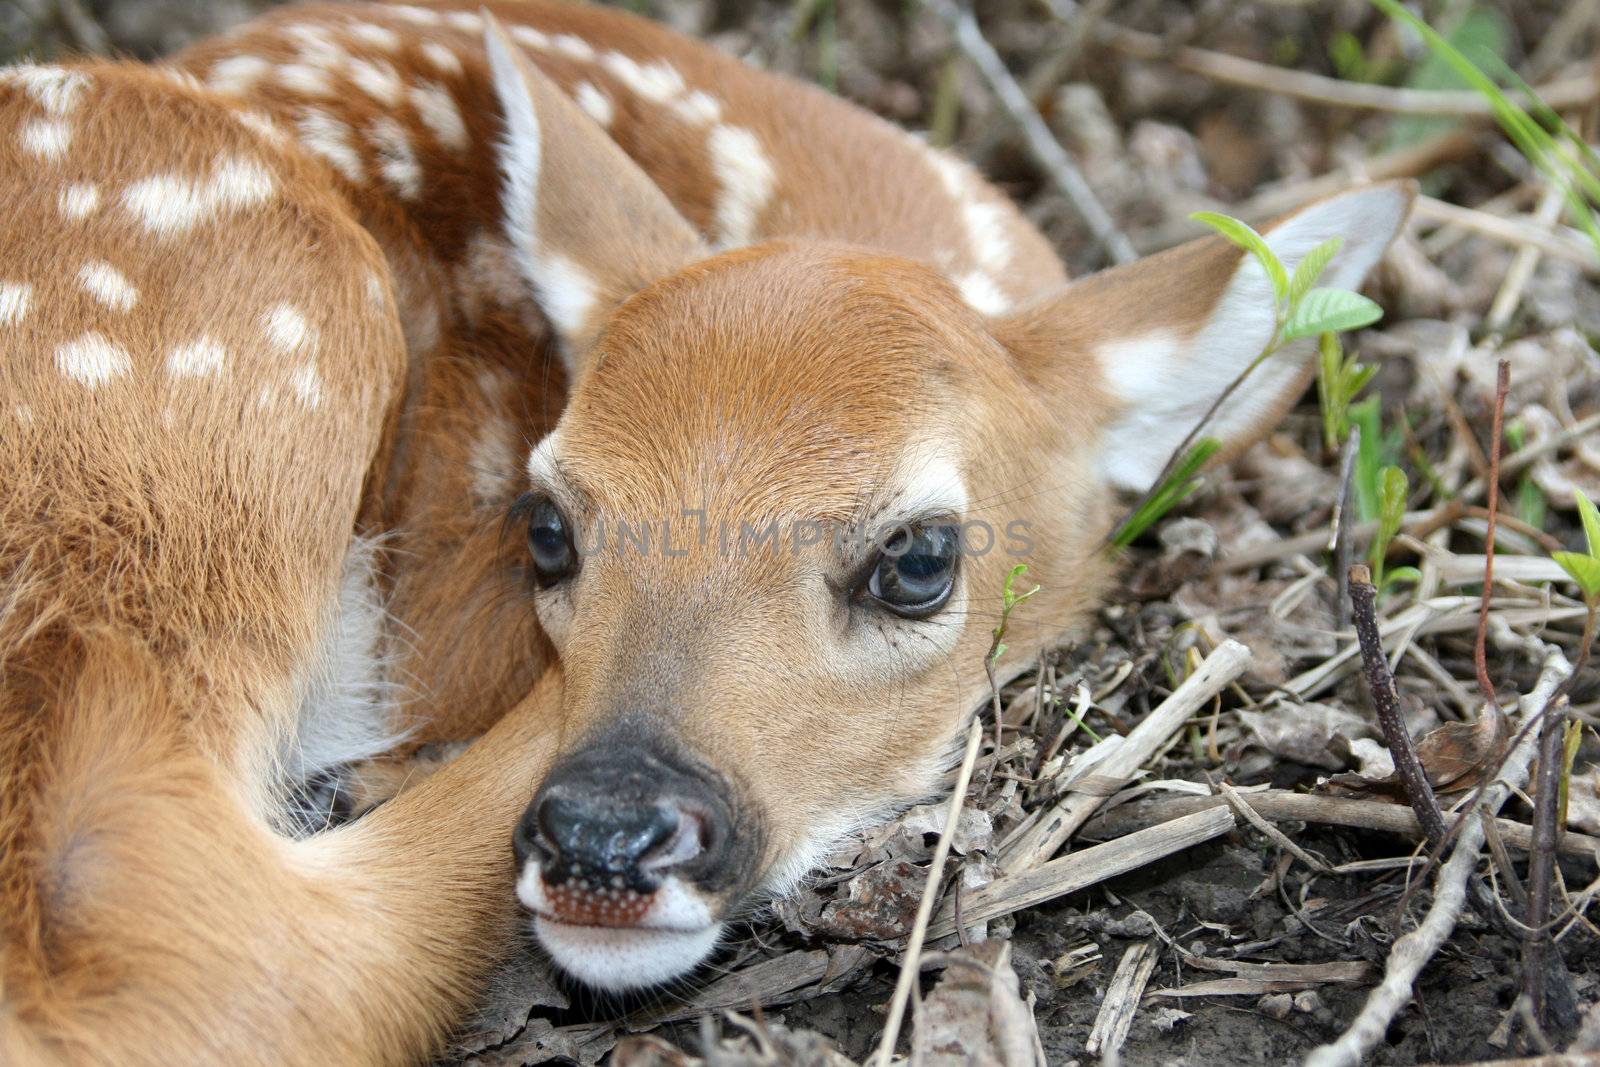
768 542
769 536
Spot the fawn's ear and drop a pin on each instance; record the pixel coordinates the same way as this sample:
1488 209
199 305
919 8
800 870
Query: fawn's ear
588 226
1170 333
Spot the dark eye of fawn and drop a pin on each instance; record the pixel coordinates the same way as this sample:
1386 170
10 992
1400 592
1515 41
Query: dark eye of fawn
550 543
916 570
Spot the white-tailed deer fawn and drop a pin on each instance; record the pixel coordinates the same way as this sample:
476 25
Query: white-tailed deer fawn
273 351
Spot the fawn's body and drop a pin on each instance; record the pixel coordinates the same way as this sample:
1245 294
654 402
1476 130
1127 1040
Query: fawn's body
336 298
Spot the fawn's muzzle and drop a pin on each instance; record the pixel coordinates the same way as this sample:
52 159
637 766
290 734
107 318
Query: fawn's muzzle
630 856
615 820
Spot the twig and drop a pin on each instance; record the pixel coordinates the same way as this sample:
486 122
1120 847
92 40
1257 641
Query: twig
930 890
1480 655
1412 952
1363 599
1527 260
1041 143
1226 662
1561 95
1542 861
1242 808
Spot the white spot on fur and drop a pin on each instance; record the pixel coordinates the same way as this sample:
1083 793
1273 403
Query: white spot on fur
528 35
48 139
288 329
699 108
170 204
316 46
982 294
14 300
323 135
55 89
657 82
493 461
259 123
108 285
23 413
567 292
377 294
417 16
465 21
443 60
305 80
396 160
307 385
92 360
200 358
371 33
237 75
238 183
438 112
78 201
179 77
595 104
377 79
746 178
573 47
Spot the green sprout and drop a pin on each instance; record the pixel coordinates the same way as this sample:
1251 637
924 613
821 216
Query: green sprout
1009 599
1300 309
1584 567
1339 379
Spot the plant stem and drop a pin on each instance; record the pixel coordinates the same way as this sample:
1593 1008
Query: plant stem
1479 649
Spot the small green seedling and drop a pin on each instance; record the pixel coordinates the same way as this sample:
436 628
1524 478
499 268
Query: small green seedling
1585 567
1339 378
1393 489
1010 598
1176 487
1300 309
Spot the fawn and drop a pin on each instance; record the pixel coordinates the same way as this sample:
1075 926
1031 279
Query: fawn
292 329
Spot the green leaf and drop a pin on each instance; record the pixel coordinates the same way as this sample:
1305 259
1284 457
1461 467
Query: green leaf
1394 487
1591 523
1402 574
1585 570
1310 268
1241 234
1331 311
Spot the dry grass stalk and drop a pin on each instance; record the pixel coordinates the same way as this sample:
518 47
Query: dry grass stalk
1112 1022
1532 236
1082 869
1044 839
919 930
1310 807
1412 952
1234 70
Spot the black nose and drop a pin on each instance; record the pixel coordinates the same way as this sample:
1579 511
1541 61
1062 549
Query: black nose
622 816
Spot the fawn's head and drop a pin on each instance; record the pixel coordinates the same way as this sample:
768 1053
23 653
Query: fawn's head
770 534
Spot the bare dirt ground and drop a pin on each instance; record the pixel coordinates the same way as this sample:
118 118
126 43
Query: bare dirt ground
1256 930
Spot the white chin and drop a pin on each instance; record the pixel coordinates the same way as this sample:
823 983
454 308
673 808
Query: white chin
620 959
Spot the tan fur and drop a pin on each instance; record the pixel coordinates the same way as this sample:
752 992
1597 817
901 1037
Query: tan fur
170 547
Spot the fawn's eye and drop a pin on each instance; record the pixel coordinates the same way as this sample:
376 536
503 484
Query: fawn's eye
916 570
550 543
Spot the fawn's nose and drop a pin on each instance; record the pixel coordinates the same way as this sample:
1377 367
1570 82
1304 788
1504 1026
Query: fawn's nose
622 818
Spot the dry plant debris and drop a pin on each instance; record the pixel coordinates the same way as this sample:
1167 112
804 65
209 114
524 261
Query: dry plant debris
1225 659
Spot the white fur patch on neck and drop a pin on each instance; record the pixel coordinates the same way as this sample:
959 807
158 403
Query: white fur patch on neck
347 703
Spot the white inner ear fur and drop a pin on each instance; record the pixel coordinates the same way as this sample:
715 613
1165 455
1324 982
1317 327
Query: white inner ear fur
566 293
1168 381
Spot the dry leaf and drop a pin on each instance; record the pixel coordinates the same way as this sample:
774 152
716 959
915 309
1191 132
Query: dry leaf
976 1015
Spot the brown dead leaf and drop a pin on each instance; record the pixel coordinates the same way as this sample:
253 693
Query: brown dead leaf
976 1015
1454 757
880 906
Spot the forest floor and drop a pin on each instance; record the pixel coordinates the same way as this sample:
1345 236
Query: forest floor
1261 862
